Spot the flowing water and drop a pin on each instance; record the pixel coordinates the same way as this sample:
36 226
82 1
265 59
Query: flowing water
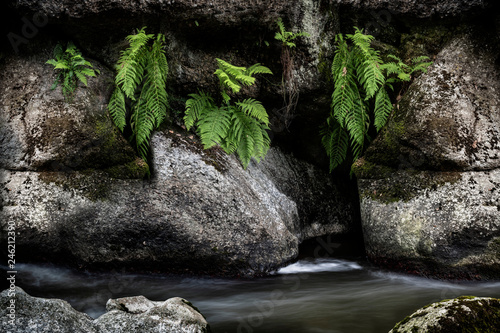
322 295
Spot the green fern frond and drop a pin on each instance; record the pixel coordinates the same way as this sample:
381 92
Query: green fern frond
132 62
228 81
257 69
195 106
141 78
155 82
250 137
117 109
382 110
213 127
255 109
239 127
335 141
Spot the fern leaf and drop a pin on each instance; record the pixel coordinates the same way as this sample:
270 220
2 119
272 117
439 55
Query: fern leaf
383 108
196 106
132 62
335 141
81 77
250 137
155 82
142 122
228 81
357 121
368 63
214 126
255 109
117 110
257 69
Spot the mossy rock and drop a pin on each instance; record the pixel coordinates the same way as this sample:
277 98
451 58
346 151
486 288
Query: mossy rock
466 314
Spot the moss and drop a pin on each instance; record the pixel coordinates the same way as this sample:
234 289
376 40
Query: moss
466 315
405 185
137 169
367 170
94 185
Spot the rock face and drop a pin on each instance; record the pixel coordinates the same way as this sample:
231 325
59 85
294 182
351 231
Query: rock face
421 9
70 190
462 314
430 184
131 314
134 314
37 315
40 131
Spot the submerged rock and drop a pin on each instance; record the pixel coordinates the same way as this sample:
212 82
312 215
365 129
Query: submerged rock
462 314
430 184
131 314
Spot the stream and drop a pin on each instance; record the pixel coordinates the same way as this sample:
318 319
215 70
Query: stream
322 295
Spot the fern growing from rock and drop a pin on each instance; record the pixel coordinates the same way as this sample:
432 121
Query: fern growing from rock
236 127
141 83
360 95
289 83
72 68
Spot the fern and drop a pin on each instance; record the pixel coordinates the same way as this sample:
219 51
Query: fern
361 80
141 78
289 82
236 127
72 68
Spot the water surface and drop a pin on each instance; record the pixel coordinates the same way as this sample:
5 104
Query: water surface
322 295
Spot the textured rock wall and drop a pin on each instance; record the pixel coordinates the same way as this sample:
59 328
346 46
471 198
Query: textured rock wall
429 187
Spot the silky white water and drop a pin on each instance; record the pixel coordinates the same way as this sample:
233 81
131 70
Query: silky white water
322 295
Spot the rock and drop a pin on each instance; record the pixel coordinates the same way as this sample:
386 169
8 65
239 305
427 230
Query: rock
321 206
40 315
462 314
430 183
438 224
175 315
448 119
40 131
420 9
201 211
130 314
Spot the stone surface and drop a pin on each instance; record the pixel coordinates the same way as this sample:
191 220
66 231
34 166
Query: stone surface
40 315
450 117
40 131
175 315
445 225
430 183
462 314
420 8
201 211
130 314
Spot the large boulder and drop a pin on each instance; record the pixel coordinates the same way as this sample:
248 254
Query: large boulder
462 314
430 184
22 313
39 130
200 211
71 192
